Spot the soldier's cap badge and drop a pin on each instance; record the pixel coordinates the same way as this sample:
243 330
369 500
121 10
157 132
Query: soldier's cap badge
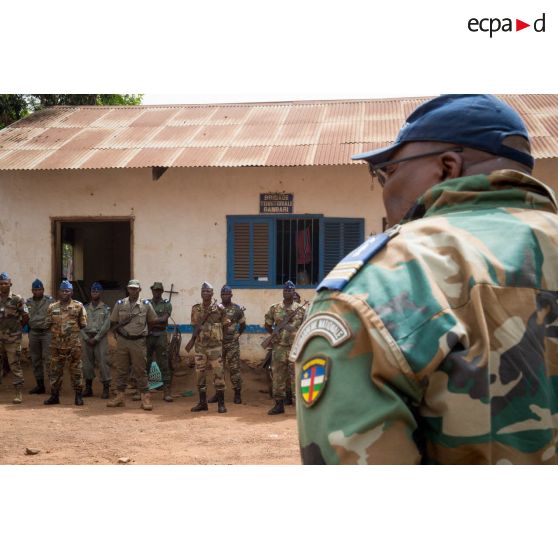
323 324
313 378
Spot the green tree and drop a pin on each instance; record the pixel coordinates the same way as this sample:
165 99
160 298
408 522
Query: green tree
16 106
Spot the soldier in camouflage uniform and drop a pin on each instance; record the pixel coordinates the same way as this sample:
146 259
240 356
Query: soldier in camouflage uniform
157 342
281 369
39 334
95 342
231 345
209 319
436 341
131 317
13 316
65 319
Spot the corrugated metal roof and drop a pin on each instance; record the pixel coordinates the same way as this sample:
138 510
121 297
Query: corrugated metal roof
234 135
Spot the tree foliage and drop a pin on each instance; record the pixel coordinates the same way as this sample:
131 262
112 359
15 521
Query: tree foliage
16 106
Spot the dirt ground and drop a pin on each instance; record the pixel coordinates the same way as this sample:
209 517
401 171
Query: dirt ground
170 434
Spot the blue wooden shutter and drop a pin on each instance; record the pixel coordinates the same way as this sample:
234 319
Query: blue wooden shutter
248 251
340 237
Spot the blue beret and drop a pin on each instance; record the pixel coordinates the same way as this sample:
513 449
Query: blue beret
37 284
96 286
206 285
4 276
226 289
289 285
66 285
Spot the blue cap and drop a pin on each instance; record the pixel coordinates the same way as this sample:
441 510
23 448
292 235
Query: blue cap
477 121
37 284
289 285
96 286
66 285
4 276
226 289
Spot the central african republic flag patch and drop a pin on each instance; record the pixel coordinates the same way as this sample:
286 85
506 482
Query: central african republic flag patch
313 377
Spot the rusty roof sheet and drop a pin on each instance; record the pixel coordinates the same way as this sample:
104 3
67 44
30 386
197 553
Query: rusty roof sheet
297 133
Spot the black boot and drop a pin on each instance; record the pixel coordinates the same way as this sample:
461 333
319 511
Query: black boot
237 398
88 391
39 388
202 404
78 400
53 399
278 409
106 390
213 399
289 398
221 401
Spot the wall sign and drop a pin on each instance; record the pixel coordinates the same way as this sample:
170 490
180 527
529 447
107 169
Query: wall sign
276 202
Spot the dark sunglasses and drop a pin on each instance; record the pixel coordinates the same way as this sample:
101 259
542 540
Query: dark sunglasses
382 176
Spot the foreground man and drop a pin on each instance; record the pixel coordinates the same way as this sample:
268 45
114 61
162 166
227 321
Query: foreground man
438 347
95 342
283 320
65 318
131 318
157 342
13 316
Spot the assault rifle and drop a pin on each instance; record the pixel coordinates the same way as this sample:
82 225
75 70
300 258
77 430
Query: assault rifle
116 328
198 327
268 341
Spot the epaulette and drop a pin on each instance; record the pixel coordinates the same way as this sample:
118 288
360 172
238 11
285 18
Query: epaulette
348 267
119 301
165 300
146 302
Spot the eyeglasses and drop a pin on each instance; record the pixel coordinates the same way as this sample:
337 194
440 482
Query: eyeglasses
382 175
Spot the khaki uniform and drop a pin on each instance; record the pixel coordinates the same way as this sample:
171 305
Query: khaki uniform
130 343
209 344
98 325
157 343
282 369
231 345
39 335
65 322
12 311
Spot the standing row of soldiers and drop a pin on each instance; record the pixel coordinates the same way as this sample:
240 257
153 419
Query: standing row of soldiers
64 331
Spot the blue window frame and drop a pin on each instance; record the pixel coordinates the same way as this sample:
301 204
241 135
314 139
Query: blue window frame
264 251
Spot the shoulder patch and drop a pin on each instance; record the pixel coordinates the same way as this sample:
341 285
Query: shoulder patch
313 377
348 267
323 324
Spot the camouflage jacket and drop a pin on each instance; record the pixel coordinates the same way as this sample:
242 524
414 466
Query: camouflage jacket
38 311
235 315
65 323
12 311
211 334
443 347
277 313
161 307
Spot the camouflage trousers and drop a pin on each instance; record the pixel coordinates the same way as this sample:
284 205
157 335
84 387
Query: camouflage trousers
12 351
231 362
39 351
96 356
282 371
130 361
157 350
58 359
209 356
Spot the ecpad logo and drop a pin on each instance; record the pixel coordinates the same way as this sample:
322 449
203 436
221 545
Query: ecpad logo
494 24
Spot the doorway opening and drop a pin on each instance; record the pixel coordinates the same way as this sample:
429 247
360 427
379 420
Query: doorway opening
93 249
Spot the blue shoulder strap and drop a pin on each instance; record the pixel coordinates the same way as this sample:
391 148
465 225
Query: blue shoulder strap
344 271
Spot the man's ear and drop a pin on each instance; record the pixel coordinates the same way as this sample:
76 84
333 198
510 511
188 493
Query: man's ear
451 165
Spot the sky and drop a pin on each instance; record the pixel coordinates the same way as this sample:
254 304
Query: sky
248 51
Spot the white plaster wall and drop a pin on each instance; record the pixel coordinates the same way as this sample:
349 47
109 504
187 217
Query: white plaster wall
179 230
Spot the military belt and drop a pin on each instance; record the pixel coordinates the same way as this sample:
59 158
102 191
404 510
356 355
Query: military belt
131 337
